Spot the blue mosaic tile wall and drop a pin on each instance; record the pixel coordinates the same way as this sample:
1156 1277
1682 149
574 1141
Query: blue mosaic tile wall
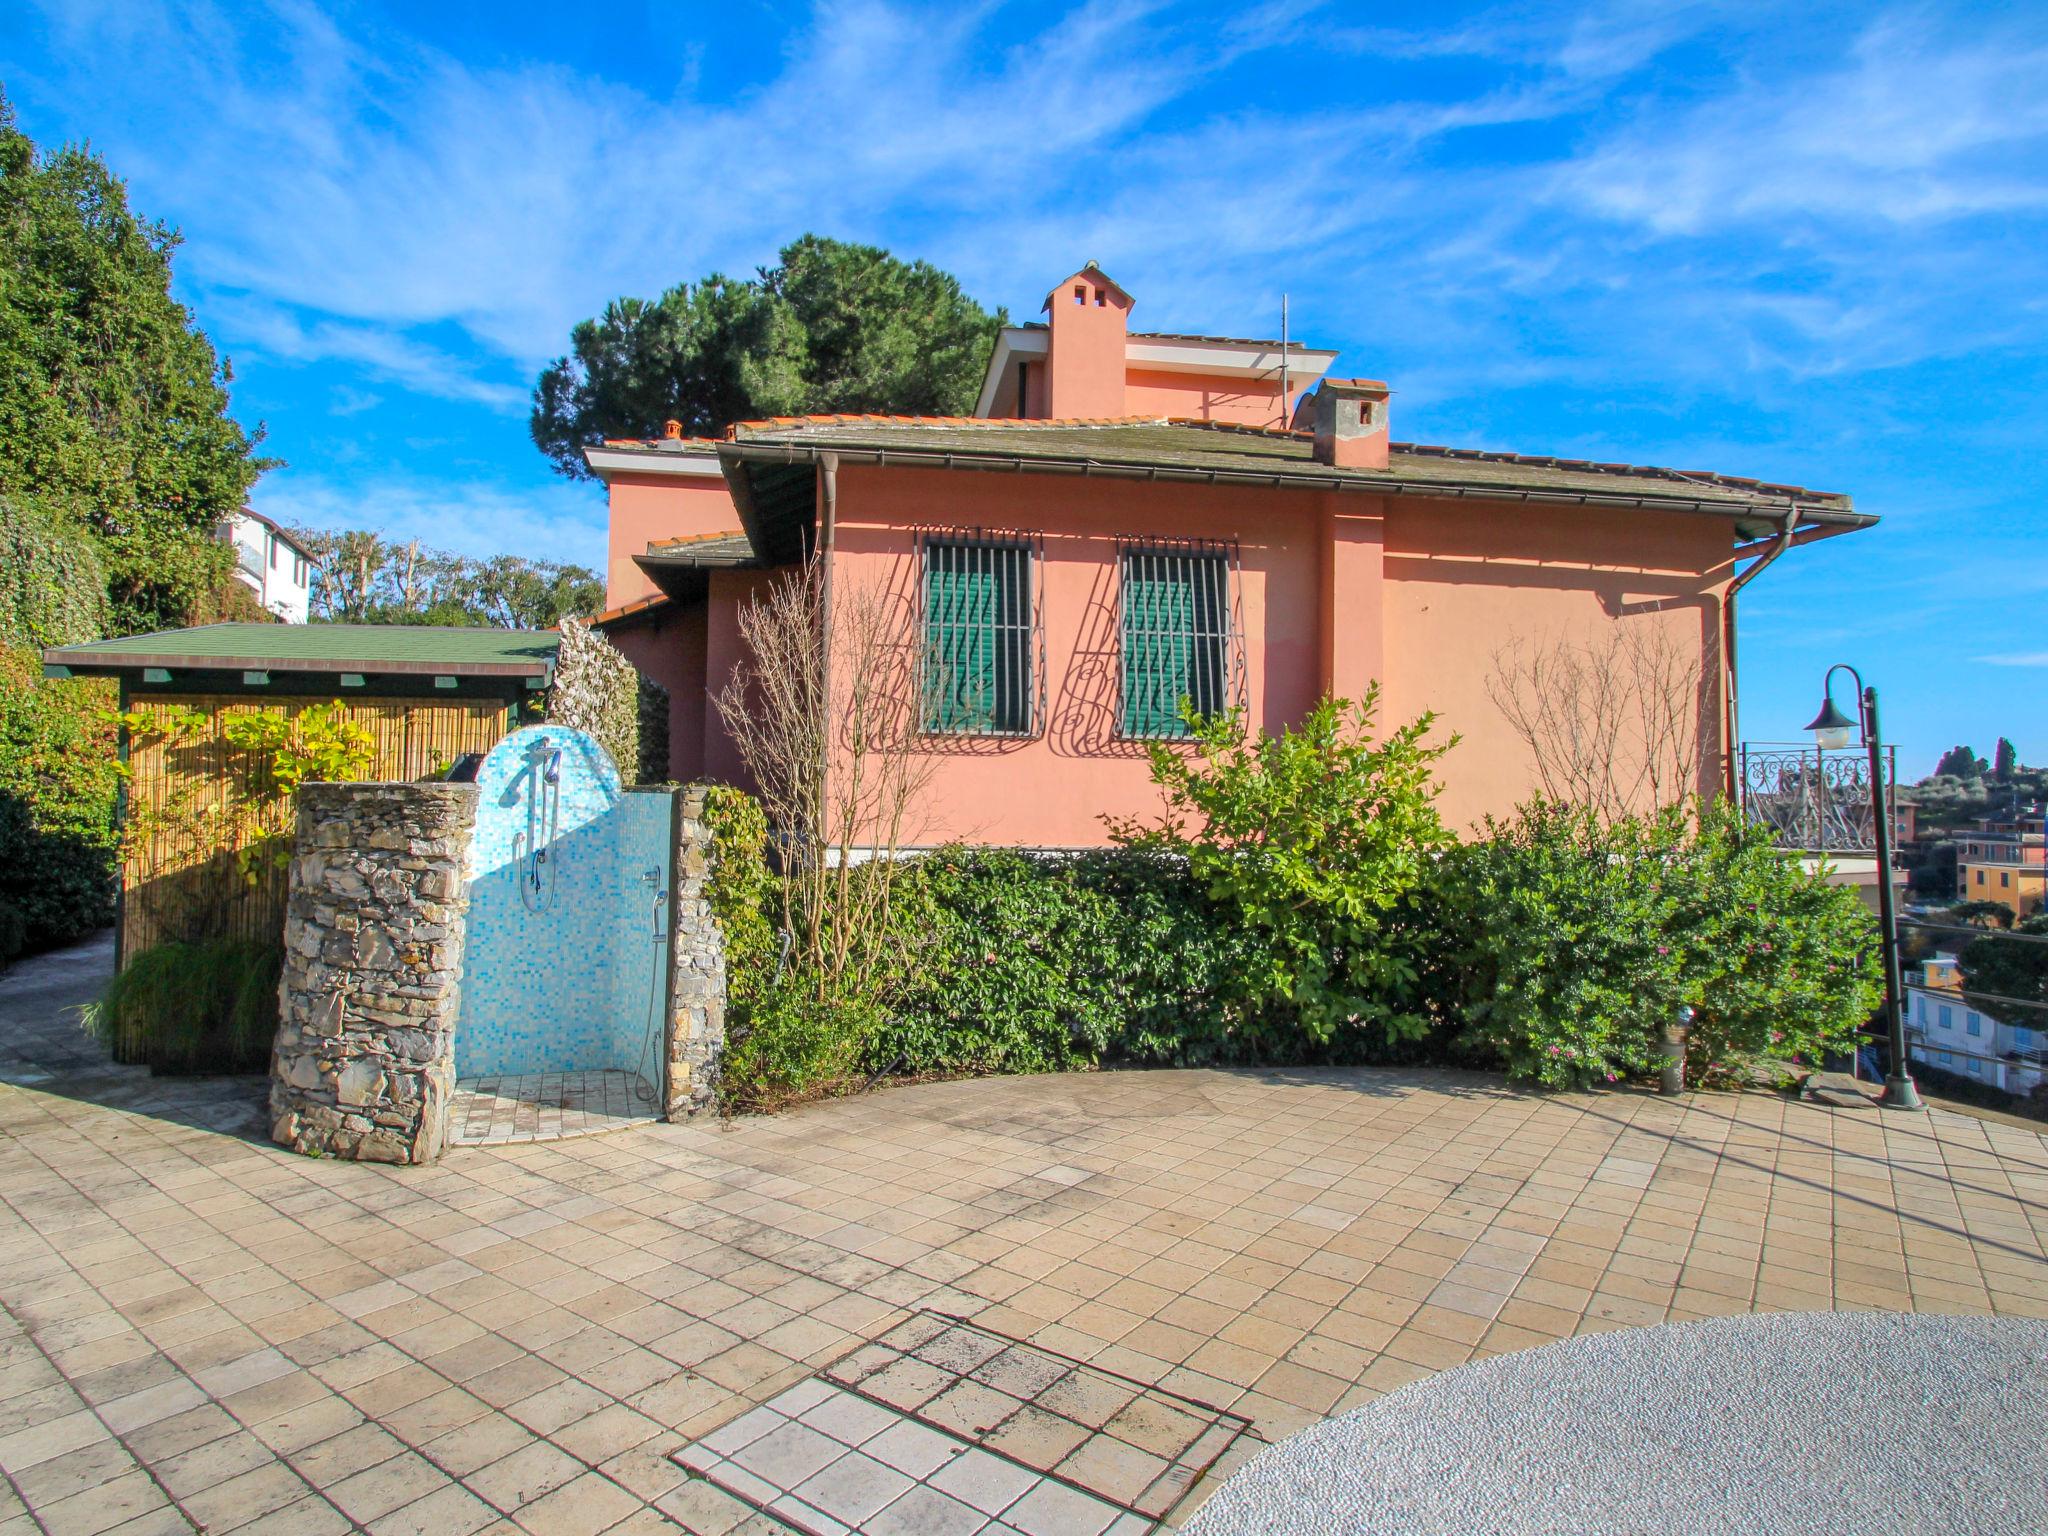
557 973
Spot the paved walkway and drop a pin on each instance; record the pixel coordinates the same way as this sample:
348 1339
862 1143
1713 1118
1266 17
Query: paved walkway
1794 1424
203 1329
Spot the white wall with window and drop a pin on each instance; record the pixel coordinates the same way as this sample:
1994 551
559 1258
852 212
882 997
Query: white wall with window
270 564
1949 1034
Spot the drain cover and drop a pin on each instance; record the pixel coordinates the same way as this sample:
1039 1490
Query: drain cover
941 1425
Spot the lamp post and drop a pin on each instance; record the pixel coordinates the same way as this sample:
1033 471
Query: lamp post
1833 729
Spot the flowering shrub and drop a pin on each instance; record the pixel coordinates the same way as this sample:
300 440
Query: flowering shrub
1576 940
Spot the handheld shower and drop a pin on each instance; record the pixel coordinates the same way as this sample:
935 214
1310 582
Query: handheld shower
530 848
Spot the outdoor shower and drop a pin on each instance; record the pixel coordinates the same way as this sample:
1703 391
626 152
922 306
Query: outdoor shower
571 899
530 847
658 931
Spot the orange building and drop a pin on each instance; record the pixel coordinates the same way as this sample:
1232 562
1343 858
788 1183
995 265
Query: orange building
1129 525
2005 859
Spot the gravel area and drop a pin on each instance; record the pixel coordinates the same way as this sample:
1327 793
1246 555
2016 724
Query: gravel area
1819 1424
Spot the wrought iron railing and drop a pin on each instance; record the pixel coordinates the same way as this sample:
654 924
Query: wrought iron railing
1814 799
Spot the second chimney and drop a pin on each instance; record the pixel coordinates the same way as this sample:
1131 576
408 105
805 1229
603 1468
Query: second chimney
1351 423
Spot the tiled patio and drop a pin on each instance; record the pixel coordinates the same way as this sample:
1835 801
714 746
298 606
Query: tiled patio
548 1106
203 1330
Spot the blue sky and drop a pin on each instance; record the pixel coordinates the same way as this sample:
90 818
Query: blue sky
1805 243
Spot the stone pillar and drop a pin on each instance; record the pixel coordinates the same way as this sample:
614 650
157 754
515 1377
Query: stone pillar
365 1060
696 1032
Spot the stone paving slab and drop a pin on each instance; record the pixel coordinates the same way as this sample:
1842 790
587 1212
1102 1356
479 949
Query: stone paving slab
522 1337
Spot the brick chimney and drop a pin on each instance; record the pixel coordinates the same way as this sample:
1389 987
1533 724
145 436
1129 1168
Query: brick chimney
1351 423
1089 317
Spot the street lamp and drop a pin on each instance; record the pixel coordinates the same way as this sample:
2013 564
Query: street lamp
1833 729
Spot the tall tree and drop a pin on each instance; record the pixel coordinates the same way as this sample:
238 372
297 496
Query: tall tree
113 405
2004 759
359 578
833 327
1960 763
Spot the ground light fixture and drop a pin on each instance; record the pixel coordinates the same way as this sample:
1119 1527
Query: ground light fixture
1833 729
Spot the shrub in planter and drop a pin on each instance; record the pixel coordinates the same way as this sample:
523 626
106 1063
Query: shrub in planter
1573 940
193 1008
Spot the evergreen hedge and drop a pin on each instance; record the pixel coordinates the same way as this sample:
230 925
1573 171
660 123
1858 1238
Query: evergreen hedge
59 790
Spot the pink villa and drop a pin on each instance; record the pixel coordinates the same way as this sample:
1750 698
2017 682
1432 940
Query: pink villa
1137 518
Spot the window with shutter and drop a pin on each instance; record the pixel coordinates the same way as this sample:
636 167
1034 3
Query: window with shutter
1179 640
979 638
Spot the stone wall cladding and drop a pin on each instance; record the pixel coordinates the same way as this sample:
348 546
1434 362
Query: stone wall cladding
365 1059
696 1034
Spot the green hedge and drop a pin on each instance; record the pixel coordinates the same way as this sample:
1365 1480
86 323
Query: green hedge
1299 901
1551 950
59 790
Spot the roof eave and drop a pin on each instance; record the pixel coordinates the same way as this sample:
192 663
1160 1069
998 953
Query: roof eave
985 460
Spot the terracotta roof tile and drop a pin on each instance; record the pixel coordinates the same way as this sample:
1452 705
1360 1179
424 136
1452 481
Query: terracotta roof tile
629 610
694 538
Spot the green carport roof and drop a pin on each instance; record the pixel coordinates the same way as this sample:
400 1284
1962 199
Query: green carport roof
381 649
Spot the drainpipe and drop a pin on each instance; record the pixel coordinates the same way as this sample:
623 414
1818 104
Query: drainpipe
828 532
1743 579
828 529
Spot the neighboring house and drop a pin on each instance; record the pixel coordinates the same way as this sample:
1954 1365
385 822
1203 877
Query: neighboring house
2002 859
270 563
1065 578
1950 1033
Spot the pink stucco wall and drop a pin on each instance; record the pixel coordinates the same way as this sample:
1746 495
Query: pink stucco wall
645 508
1256 403
666 644
1054 790
1335 591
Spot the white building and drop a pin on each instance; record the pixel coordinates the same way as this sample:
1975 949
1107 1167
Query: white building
1951 1033
270 563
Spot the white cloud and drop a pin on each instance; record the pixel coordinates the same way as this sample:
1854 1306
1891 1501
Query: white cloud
553 521
1912 127
2019 659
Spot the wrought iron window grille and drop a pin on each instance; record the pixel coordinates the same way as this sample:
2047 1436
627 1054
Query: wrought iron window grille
1180 632
981 623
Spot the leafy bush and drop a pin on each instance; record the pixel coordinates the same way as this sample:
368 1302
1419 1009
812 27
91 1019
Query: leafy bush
53 589
59 790
1015 962
193 1008
1317 838
1577 939
784 1040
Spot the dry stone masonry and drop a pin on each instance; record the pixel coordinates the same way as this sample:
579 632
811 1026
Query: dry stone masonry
696 1034
365 1058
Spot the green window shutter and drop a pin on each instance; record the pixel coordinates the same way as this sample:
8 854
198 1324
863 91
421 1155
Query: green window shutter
977 628
1176 619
